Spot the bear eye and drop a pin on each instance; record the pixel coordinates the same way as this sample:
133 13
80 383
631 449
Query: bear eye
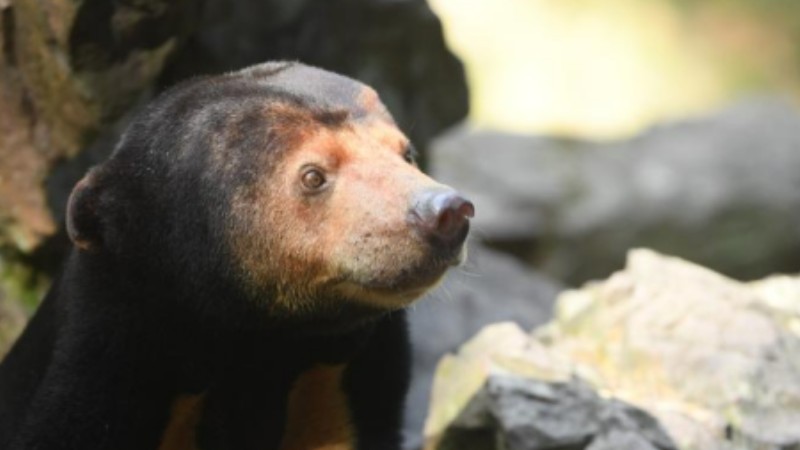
313 179
409 154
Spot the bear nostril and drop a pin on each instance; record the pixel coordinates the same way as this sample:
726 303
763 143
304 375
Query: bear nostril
453 215
442 213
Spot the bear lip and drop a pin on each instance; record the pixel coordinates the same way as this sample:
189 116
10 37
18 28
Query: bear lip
418 279
411 281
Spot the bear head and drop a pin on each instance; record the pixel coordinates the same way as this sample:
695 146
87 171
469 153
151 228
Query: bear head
286 185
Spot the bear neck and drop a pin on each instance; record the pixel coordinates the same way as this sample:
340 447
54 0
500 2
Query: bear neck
189 336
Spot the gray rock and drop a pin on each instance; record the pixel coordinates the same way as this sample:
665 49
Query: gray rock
714 360
574 208
623 422
491 287
528 414
620 440
532 414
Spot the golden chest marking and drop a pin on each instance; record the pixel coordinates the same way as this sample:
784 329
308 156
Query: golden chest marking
180 431
318 417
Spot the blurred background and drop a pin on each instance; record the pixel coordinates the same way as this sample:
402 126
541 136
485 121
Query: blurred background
609 69
580 128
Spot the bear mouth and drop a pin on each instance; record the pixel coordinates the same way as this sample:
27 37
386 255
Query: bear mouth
402 280
409 283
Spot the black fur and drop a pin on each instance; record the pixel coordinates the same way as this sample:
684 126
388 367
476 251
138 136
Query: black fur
151 308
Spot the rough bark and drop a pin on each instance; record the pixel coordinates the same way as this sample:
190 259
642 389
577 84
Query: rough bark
67 70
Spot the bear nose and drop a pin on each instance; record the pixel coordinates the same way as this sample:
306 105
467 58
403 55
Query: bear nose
442 213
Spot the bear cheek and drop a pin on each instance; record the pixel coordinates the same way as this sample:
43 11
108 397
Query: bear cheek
270 242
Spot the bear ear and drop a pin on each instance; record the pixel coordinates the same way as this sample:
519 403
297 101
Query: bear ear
83 221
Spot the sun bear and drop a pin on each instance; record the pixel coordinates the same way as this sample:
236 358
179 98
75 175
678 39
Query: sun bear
240 268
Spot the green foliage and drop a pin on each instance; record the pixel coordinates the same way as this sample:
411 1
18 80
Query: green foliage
21 285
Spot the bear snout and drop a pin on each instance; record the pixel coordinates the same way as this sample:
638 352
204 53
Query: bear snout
441 216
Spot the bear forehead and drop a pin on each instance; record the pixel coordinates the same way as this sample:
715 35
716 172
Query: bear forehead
319 89
259 112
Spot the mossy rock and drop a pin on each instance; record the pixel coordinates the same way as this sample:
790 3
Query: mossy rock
21 289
